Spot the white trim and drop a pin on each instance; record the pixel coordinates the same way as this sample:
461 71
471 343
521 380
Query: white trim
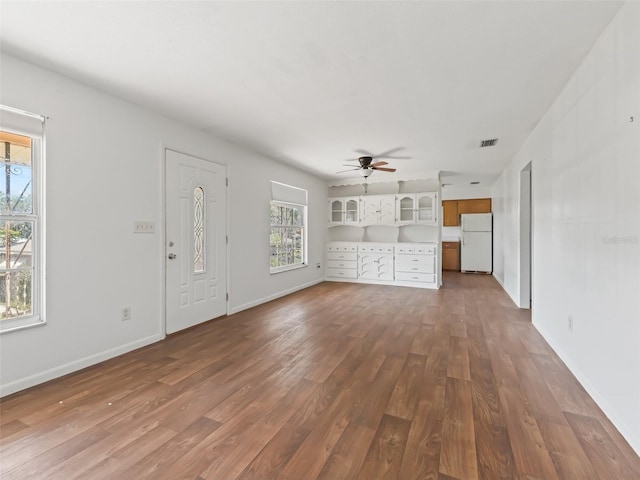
513 299
269 298
601 400
37 216
76 365
37 116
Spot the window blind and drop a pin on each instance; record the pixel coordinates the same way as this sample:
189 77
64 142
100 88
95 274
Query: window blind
281 192
20 122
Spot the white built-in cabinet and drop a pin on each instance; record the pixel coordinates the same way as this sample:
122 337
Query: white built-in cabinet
385 233
378 210
400 209
417 208
375 261
344 211
402 264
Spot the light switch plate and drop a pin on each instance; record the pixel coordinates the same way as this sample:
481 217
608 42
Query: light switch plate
141 226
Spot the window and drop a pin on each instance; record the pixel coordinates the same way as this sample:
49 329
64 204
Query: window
21 296
287 236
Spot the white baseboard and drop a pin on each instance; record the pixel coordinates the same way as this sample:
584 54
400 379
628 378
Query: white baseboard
511 296
627 432
74 366
260 301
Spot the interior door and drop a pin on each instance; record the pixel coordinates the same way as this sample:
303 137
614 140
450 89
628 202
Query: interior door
196 276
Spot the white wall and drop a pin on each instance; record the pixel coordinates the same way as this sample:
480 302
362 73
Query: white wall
586 223
105 169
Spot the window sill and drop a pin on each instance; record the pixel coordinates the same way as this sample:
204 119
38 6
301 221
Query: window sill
11 325
287 268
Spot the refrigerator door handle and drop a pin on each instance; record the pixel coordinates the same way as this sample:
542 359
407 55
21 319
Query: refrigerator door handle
462 236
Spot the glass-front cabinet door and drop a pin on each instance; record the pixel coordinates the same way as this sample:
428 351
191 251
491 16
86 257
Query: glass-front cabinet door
417 208
351 210
336 211
405 208
344 211
426 208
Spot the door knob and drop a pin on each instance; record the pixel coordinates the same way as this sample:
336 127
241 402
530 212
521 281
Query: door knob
172 256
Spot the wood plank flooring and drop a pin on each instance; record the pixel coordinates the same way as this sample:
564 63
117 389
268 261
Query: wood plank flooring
339 381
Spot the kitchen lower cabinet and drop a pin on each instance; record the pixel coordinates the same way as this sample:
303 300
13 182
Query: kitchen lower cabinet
451 256
342 260
415 265
402 264
375 262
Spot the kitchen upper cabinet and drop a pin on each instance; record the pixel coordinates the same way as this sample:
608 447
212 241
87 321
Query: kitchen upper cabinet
475 205
452 209
378 210
450 215
412 208
344 211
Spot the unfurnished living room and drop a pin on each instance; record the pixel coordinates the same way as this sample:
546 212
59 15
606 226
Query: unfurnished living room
300 240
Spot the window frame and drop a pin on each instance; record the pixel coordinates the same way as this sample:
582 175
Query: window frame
290 266
38 145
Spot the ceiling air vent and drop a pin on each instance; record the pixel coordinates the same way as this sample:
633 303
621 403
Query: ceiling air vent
488 143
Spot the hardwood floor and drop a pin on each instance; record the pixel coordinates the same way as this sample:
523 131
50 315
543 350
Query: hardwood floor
339 381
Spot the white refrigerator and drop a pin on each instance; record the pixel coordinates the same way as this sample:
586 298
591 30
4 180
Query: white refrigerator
476 249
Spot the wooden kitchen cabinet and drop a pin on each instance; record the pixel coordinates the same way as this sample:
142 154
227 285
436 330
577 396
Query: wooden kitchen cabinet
474 205
451 256
452 209
450 215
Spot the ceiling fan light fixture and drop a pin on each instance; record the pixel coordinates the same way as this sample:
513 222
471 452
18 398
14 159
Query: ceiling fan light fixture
365 172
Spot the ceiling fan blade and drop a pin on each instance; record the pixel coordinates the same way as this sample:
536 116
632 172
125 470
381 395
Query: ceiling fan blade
388 152
378 164
383 169
350 170
351 165
364 153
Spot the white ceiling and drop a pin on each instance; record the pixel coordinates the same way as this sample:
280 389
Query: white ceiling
311 83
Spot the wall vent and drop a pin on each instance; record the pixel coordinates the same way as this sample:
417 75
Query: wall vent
488 143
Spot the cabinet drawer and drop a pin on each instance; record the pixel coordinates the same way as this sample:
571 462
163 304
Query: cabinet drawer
426 250
342 273
415 250
416 277
416 268
342 248
375 248
341 256
342 264
414 260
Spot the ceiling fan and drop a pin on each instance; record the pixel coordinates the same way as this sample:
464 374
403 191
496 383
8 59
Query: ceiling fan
366 166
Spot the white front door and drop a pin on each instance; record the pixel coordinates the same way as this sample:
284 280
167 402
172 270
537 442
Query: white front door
196 262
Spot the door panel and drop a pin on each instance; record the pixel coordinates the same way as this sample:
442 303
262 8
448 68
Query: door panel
196 241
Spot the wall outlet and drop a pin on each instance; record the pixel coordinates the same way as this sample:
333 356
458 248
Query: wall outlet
126 313
570 323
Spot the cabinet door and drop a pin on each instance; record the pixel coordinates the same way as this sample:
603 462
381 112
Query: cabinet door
475 205
451 256
426 208
385 267
351 210
336 211
370 207
450 215
387 210
405 208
